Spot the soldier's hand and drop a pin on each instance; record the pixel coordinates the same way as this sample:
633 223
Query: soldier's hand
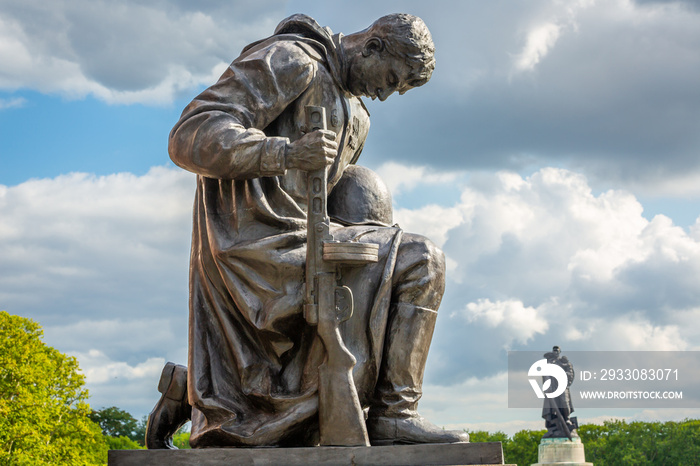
312 151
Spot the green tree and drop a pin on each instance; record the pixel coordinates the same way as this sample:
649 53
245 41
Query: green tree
121 430
614 443
682 443
43 409
182 440
116 422
122 443
483 436
523 448
642 443
140 432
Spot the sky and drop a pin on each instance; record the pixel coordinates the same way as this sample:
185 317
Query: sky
554 156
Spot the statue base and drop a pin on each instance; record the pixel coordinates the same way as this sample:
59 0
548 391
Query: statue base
561 451
435 454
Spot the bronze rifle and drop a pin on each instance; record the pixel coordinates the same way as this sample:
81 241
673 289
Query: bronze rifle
326 305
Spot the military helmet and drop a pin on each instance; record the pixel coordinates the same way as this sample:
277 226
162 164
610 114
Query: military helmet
360 198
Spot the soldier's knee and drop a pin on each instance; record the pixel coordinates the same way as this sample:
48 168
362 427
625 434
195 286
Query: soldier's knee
419 276
421 250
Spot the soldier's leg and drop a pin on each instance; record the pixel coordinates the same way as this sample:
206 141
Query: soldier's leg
419 282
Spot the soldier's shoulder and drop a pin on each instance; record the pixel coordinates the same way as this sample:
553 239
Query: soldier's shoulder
298 48
282 50
310 49
288 58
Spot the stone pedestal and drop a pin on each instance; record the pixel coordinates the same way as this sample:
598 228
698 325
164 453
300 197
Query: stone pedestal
427 454
561 451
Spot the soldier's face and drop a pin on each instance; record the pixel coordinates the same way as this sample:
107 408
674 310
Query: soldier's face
378 75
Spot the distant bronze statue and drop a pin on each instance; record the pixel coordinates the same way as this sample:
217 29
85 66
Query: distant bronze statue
289 345
557 411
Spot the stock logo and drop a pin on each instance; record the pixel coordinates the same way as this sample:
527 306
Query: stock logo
542 368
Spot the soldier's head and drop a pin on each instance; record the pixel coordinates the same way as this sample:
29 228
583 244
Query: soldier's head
396 53
553 355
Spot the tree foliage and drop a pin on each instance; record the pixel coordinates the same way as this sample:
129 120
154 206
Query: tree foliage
140 432
524 446
182 440
122 443
642 443
121 430
114 422
613 443
43 409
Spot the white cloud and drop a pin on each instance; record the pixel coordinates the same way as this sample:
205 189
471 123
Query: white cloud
681 185
16 102
133 388
480 404
400 177
505 208
543 34
611 93
514 321
444 405
129 338
531 251
101 263
628 332
424 221
477 404
538 43
99 369
542 260
128 51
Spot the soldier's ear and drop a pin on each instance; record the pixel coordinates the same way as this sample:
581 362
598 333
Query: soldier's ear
373 44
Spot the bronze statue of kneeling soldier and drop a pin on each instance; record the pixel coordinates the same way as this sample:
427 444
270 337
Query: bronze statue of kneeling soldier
311 313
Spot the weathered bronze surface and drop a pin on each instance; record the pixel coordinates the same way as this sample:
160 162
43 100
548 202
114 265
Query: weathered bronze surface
557 411
290 345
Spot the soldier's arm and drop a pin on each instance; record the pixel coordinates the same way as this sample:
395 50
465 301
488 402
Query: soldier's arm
220 134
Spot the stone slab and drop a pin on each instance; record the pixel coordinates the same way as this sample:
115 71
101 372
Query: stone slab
426 454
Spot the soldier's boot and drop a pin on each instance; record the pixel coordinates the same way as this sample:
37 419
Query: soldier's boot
172 410
393 418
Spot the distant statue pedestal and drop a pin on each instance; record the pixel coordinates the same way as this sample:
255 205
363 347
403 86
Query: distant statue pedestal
561 451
